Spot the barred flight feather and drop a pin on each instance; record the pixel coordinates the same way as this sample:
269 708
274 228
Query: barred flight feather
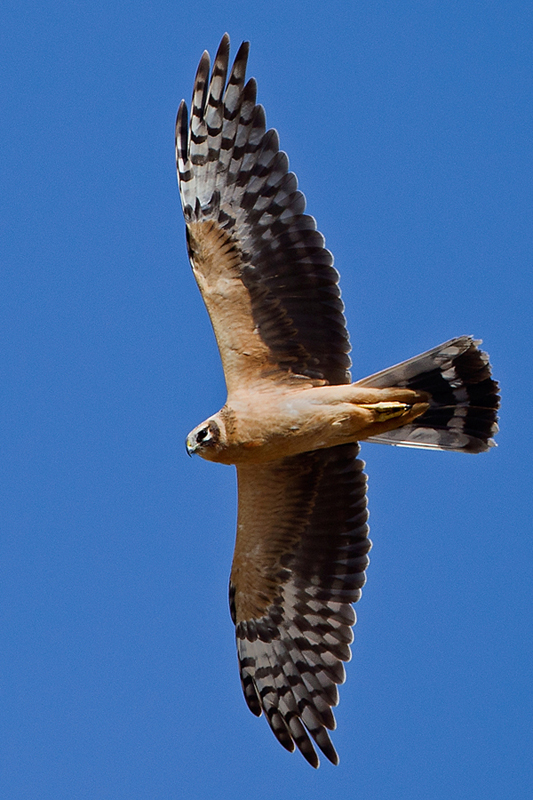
291 658
464 398
231 171
272 293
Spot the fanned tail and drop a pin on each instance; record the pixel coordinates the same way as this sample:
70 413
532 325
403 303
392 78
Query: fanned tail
464 398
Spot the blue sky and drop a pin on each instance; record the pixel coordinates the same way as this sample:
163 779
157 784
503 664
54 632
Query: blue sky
409 127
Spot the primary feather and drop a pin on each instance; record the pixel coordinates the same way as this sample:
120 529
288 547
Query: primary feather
272 294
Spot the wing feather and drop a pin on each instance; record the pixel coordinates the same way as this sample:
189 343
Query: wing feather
300 559
238 194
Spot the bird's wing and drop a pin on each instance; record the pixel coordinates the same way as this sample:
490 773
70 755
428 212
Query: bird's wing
261 265
299 563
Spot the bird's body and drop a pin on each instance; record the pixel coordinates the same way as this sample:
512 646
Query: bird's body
295 420
293 416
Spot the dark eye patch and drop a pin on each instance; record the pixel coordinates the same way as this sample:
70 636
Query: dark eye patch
200 436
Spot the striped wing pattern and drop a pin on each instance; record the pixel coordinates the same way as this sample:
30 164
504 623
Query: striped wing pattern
314 563
302 535
231 172
313 556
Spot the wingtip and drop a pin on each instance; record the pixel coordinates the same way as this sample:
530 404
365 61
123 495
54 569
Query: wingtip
181 136
202 73
243 51
182 109
222 53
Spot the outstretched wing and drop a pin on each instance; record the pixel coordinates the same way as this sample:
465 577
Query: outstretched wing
300 560
261 265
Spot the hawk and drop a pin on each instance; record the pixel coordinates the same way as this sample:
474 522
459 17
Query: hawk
293 417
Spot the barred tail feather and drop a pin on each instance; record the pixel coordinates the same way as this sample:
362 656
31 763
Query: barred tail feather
464 398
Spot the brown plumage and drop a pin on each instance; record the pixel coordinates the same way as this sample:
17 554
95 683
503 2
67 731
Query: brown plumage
293 417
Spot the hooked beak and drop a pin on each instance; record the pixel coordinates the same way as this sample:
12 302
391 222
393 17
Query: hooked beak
190 445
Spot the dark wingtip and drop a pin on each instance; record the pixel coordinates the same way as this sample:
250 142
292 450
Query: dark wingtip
244 49
182 134
181 118
242 54
223 50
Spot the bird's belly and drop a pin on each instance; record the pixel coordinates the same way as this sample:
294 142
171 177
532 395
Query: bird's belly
270 437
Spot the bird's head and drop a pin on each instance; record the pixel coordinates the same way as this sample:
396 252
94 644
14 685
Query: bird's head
206 440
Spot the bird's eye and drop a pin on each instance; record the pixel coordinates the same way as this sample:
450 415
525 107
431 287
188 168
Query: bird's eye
201 435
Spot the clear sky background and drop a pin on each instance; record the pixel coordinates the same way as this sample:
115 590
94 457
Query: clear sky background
409 125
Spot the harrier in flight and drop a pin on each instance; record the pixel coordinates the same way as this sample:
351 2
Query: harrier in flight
293 418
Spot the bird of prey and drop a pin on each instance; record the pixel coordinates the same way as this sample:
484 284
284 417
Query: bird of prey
293 417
